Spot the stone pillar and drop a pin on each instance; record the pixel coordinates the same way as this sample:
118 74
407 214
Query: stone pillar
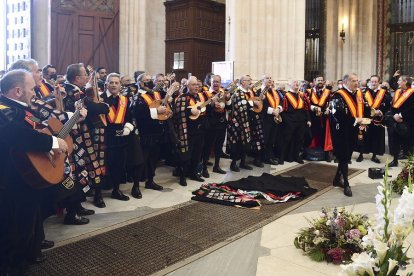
142 36
358 52
40 48
266 36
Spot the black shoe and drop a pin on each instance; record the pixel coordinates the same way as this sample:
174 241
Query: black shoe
224 155
39 259
218 170
75 220
375 160
197 177
45 244
99 202
360 158
153 186
90 193
183 181
205 173
350 162
300 161
136 192
347 191
338 183
335 160
271 161
281 161
176 172
85 212
394 163
234 167
245 166
117 194
328 157
258 163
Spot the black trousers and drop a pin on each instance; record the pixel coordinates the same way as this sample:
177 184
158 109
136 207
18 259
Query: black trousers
195 151
151 154
293 135
270 129
116 165
214 140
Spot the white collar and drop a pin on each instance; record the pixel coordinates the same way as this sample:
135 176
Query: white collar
19 102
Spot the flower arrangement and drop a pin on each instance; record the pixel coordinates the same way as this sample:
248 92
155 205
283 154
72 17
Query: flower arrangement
333 237
384 252
401 181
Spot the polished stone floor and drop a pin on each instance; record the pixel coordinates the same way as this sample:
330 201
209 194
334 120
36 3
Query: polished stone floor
267 251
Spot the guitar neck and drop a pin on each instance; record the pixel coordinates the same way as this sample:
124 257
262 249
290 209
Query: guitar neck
67 127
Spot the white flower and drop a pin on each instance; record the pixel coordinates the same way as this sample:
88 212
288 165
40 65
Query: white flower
328 222
316 232
368 239
400 231
381 248
362 263
391 264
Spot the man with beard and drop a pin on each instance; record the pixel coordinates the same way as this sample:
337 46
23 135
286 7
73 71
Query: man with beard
20 205
319 97
378 100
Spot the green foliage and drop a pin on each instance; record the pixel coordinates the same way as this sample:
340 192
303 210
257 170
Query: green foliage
402 179
333 237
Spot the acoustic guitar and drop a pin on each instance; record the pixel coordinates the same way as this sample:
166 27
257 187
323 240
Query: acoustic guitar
164 102
258 107
41 169
202 105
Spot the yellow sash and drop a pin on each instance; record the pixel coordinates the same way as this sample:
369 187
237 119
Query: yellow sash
357 109
118 116
273 99
322 100
296 104
400 98
375 103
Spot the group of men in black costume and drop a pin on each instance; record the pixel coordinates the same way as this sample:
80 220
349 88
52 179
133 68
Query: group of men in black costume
123 128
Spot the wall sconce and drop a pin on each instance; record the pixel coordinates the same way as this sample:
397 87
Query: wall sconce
342 33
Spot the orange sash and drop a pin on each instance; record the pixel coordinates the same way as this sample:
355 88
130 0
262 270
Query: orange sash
192 101
118 116
44 90
400 98
375 103
148 99
273 99
296 104
322 100
357 109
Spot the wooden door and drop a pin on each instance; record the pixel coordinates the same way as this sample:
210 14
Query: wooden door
85 31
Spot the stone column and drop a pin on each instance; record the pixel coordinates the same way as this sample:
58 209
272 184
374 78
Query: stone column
266 36
142 36
40 48
358 52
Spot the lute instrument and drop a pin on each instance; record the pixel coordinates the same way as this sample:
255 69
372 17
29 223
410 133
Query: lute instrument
164 102
43 169
201 106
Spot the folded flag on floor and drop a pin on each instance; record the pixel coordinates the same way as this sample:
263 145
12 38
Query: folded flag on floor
246 192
